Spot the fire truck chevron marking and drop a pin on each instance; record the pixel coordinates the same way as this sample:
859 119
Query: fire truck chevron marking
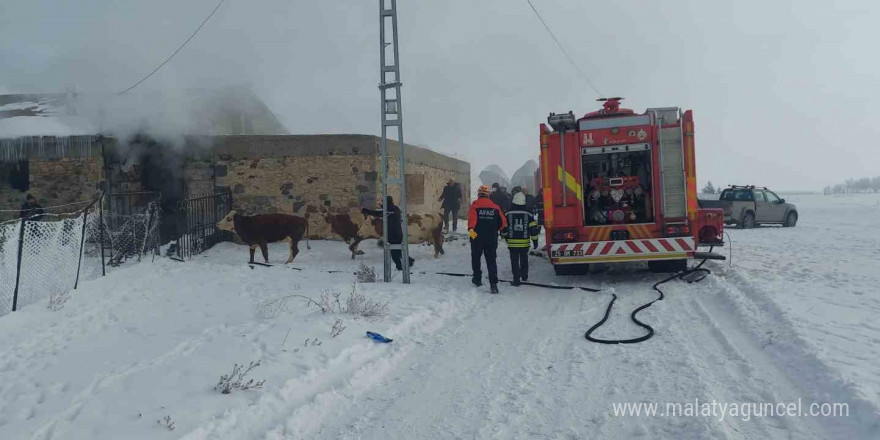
684 245
632 245
644 247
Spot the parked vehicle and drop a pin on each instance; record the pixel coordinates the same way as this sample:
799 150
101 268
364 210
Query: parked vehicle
750 206
621 186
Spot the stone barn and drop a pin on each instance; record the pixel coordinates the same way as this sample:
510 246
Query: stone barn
307 174
52 148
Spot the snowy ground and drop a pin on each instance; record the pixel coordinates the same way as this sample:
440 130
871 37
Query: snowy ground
793 318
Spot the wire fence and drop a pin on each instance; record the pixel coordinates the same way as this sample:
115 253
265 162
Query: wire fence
132 231
51 253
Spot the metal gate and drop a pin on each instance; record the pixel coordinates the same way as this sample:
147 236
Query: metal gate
197 227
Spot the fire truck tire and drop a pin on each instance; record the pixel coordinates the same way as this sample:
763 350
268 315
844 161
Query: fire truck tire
571 269
748 221
668 266
790 220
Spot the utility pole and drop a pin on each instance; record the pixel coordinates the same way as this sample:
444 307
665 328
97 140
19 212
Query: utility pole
392 116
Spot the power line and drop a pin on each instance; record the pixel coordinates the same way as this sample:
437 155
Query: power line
562 48
175 52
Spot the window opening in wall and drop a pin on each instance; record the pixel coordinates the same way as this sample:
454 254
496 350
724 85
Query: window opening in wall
415 189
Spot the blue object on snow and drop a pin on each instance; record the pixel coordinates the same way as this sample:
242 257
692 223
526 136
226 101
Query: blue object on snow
378 338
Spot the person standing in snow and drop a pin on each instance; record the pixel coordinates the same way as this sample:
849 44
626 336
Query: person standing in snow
495 196
395 231
451 198
30 209
521 228
505 199
485 221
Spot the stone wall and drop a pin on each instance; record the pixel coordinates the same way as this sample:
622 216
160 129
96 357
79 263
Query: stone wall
61 170
434 181
198 179
303 186
55 182
308 175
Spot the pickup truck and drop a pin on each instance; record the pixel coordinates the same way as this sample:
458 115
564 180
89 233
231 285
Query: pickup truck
748 206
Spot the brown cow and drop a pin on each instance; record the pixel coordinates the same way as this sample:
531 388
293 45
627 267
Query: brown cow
354 227
350 227
259 230
422 228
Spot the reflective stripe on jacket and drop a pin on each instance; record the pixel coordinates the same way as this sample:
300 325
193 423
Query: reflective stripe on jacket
521 227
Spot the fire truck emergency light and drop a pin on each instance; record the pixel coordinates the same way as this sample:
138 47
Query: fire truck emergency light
562 122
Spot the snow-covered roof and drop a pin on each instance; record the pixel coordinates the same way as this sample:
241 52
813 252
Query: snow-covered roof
226 111
40 115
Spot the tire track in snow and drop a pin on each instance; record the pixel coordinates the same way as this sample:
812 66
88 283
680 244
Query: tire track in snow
709 345
108 379
305 405
486 377
647 372
765 337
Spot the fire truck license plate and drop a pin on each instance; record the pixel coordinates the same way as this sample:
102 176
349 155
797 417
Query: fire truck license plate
558 254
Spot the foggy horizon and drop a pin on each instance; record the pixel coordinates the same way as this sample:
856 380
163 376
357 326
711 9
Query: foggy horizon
775 87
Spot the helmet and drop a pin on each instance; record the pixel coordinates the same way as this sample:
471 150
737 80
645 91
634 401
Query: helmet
483 191
519 198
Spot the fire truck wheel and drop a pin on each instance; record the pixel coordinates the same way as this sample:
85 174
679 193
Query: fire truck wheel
667 266
790 220
748 221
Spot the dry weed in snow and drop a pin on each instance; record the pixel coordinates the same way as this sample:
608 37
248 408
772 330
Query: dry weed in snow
236 379
270 309
359 305
365 274
57 300
166 422
331 301
337 328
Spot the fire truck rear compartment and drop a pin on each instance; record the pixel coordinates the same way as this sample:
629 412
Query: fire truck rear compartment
617 185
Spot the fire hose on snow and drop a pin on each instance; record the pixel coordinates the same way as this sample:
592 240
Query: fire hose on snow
683 275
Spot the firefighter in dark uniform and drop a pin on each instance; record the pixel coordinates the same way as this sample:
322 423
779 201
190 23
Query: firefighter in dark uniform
395 231
485 221
521 228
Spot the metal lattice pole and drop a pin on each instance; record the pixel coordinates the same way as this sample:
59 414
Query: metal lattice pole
392 115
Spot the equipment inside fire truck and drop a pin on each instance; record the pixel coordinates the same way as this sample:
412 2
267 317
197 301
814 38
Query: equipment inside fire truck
621 186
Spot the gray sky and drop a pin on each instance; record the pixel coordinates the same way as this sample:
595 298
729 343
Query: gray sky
785 92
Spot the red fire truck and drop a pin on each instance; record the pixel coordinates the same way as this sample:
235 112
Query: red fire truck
621 186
